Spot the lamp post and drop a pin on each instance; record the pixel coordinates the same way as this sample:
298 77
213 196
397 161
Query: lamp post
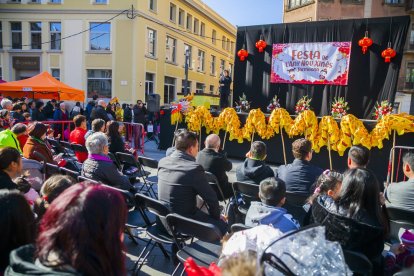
187 59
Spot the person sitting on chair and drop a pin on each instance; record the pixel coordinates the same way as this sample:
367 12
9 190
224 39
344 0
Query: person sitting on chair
98 125
217 163
10 167
300 175
254 168
10 137
181 180
358 157
401 195
269 211
100 167
77 136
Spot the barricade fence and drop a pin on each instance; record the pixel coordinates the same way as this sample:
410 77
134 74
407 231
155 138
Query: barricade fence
395 164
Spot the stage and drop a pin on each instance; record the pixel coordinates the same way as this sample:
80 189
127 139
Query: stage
378 161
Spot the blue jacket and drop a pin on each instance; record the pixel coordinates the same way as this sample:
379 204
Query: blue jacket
262 214
299 175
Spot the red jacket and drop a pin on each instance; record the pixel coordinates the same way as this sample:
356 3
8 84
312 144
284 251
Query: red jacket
22 140
77 136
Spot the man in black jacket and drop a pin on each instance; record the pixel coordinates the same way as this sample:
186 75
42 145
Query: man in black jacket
99 112
181 180
49 109
300 175
140 111
127 113
254 168
217 163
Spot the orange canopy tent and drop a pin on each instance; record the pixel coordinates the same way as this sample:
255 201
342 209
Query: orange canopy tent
42 86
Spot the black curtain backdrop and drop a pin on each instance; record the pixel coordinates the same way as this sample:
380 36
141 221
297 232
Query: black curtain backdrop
370 79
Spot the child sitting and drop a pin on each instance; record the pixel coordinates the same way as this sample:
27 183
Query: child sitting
272 193
400 256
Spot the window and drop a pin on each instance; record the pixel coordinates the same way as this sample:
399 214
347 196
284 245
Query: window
228 44
190 58
35 1
213 65
15 1
188 87
189 21
200 87
222 65
232 46
211 89
169 89
181 15
149 84
152 42
100 83
16 33
55 1
203 29
394 2
196 25
55 35
213 37
1 36
230 69
201 56
100 36
223 42
153 5
36 35
170 49
101 2
173 12
297 3
55 73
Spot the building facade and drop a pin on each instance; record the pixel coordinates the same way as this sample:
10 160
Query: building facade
317 10
121 48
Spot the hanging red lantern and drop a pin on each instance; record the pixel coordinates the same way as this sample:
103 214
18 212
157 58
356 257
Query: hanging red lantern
261 45
242 54
365 43
388 53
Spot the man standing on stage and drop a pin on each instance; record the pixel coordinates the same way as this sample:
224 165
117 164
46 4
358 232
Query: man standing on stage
225 81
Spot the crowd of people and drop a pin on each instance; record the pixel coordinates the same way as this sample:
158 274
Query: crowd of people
62 227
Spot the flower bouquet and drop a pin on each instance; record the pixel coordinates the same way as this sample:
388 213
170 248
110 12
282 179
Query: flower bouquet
382 109
273 104
303 104
243 105
339 108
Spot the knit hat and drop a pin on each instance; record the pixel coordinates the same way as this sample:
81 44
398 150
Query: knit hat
408 238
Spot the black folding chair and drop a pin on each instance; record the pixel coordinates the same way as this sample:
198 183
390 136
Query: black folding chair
294 205
51 169
399 219
82 178
67 147
115 160
71 173
205 250
78 148
358 263
57 147
249 192
213 181
149 181
239 227
158 233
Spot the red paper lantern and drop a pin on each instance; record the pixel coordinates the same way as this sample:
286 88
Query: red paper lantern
388 54
365 43
261 45
242 54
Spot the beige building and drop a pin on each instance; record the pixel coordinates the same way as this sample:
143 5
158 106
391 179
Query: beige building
317 10
107 48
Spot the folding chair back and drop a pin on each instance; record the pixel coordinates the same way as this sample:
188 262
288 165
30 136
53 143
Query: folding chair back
71 173
294 205
115 160
180 225
159 208
148 162
56 145
129 197
213 181
51 169
67 147
358 263
126 158
239 227
78 148
400 220
82 178
40 157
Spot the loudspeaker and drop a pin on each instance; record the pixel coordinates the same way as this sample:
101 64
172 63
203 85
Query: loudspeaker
153 102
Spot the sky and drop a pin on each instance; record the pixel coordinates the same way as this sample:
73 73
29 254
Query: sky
248 12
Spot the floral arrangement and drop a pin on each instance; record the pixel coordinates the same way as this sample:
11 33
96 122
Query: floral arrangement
382 109
303 104
339 108
243 105
273 104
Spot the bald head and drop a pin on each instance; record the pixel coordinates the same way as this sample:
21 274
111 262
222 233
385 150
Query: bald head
213 142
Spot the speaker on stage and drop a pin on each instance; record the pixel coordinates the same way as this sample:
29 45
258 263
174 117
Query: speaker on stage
153 102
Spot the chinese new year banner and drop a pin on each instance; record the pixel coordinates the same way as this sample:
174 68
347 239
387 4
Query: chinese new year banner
311 63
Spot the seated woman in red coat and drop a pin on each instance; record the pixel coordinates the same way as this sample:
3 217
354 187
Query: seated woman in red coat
36 142
77 136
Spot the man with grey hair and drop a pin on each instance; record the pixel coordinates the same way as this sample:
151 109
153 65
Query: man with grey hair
100 167
6 104
99 112
216 162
